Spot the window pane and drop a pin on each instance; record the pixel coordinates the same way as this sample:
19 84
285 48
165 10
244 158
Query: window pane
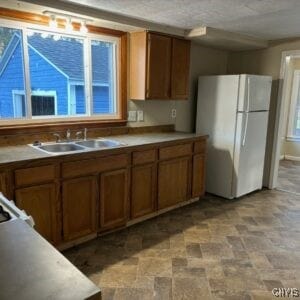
103 72
56 66
12 96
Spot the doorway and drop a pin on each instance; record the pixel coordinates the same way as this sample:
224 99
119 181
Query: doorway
285 170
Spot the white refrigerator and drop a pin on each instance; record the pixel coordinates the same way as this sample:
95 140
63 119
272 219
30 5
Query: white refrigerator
233 110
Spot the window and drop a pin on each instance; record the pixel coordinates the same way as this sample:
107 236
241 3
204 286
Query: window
54 74
12 103
294 115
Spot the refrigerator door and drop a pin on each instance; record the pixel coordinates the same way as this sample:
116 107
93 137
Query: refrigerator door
249 154
254 93
216 116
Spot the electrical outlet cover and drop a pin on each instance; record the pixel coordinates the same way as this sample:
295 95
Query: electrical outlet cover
173 113
140 116
131 116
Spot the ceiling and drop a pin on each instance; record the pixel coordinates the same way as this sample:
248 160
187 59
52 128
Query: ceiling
266 19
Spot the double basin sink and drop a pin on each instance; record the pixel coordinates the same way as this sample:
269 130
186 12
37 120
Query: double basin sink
77 146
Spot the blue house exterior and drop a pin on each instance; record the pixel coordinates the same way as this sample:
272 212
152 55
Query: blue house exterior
56 77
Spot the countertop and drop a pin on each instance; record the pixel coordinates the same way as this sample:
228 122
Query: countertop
32 269
12 154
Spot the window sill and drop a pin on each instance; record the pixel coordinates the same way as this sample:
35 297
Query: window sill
293 139
50 126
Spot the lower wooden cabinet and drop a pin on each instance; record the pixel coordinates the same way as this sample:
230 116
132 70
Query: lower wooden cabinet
173 181
41 202
113 199
198 176
79 198
143 190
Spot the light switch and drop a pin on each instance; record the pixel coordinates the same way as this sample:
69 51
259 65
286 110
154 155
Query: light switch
140 116
131 116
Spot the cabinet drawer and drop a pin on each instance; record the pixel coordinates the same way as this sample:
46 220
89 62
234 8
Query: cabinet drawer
143 157
35 175
92 166
200 147
175 151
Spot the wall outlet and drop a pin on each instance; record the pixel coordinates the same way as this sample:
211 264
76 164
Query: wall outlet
140 116
173 114
131 116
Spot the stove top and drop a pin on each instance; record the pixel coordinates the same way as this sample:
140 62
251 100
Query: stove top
4 215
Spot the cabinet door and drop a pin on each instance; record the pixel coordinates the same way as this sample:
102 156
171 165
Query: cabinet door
158 66
143 190
173 182
79 207
113 199
198 182
41 202
180 69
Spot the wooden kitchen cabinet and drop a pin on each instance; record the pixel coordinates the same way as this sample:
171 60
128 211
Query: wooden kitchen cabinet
113 199
158 77
198 175
42 203
173 181
180 68
159 66
143 190
79 198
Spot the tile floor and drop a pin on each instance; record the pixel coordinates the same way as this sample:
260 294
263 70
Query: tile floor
289 176
212 249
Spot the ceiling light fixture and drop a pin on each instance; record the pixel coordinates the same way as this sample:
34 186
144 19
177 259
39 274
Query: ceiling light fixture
52 22
83 28
69 19
69 25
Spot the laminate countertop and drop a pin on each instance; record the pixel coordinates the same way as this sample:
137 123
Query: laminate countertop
31 269
12 154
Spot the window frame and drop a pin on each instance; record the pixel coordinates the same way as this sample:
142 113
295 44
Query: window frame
11 19
292 110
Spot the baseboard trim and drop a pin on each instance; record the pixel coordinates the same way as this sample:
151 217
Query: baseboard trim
290 157
162 211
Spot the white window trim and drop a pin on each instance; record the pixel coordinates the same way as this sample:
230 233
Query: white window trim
293 104
14 94
87 38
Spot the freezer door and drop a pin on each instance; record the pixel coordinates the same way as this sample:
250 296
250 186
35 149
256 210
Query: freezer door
249 154
254 93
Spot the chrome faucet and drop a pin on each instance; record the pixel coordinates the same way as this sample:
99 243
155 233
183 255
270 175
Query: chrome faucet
78 134
57 136
68 135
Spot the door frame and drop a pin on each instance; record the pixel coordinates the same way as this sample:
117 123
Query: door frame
280 114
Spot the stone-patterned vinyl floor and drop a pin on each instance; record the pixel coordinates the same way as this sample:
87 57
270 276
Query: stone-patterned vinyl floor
212 249
289 176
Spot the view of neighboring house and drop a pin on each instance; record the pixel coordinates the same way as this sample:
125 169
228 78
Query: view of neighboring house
56 77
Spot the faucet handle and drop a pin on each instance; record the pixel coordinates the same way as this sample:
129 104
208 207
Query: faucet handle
78 134
85 134
57 136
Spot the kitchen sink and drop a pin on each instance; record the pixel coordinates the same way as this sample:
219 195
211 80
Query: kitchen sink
79 146
60 147
99 143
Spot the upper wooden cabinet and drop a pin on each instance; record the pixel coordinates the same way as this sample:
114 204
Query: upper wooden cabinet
159 66
180 68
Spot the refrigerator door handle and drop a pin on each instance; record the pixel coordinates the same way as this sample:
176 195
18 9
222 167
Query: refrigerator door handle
245 130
